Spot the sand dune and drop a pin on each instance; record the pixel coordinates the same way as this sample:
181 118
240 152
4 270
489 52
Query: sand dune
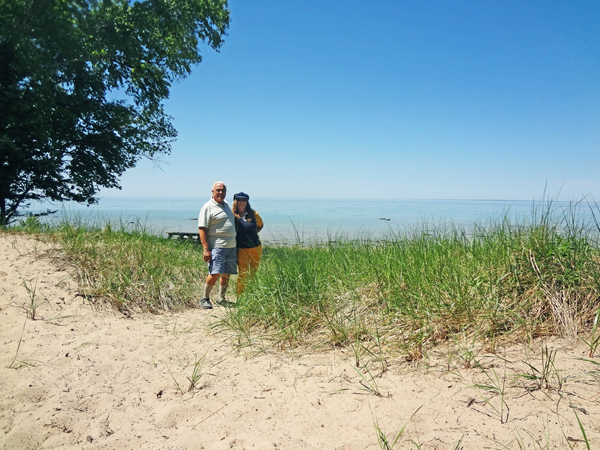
78 377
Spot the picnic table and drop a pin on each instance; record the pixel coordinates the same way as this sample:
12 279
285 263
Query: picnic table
191 236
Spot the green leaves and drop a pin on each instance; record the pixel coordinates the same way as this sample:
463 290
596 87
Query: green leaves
63 135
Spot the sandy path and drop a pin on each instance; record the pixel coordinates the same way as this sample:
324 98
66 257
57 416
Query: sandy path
92 379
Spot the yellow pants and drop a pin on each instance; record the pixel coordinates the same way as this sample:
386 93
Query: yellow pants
248 260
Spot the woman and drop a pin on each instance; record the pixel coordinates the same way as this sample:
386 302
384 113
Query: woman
247 225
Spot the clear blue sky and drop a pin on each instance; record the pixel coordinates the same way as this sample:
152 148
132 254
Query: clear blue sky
390 99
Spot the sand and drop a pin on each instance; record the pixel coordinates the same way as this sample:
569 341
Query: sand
81 377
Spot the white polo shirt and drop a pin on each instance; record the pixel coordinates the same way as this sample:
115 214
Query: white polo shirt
219 222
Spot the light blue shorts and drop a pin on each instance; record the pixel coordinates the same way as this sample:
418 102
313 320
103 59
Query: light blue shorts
223 260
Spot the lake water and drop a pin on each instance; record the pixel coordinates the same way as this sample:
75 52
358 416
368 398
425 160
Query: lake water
308 219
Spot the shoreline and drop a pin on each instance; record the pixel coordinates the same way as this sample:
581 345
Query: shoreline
286 220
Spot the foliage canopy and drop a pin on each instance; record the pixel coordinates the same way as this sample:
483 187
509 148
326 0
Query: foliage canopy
82 85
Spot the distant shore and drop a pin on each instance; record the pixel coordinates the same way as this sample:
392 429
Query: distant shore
301 219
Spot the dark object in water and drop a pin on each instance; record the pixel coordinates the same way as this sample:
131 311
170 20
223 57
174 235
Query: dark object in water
384 218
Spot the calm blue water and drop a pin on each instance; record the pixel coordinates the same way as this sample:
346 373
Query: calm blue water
307 220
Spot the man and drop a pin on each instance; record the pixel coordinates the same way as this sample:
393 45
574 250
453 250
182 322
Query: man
216 226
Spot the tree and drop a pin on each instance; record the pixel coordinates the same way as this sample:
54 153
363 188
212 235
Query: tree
82 85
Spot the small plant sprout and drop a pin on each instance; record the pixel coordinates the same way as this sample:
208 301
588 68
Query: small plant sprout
358 349
12 364
368 384
594 340
33 305
196 373
389 442
496 387
468 354
541 377
177 385
458 444
379 356
585 439
385 442
193 378
587 443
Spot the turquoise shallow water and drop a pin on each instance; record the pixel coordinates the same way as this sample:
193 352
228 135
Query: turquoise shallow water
309 219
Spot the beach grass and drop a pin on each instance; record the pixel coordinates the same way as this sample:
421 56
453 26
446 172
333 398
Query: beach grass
490 283
494 282
130 270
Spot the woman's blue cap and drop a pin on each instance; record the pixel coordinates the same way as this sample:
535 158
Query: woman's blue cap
241 196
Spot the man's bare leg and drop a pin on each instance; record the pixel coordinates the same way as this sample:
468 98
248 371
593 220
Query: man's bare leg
211 279
223 287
